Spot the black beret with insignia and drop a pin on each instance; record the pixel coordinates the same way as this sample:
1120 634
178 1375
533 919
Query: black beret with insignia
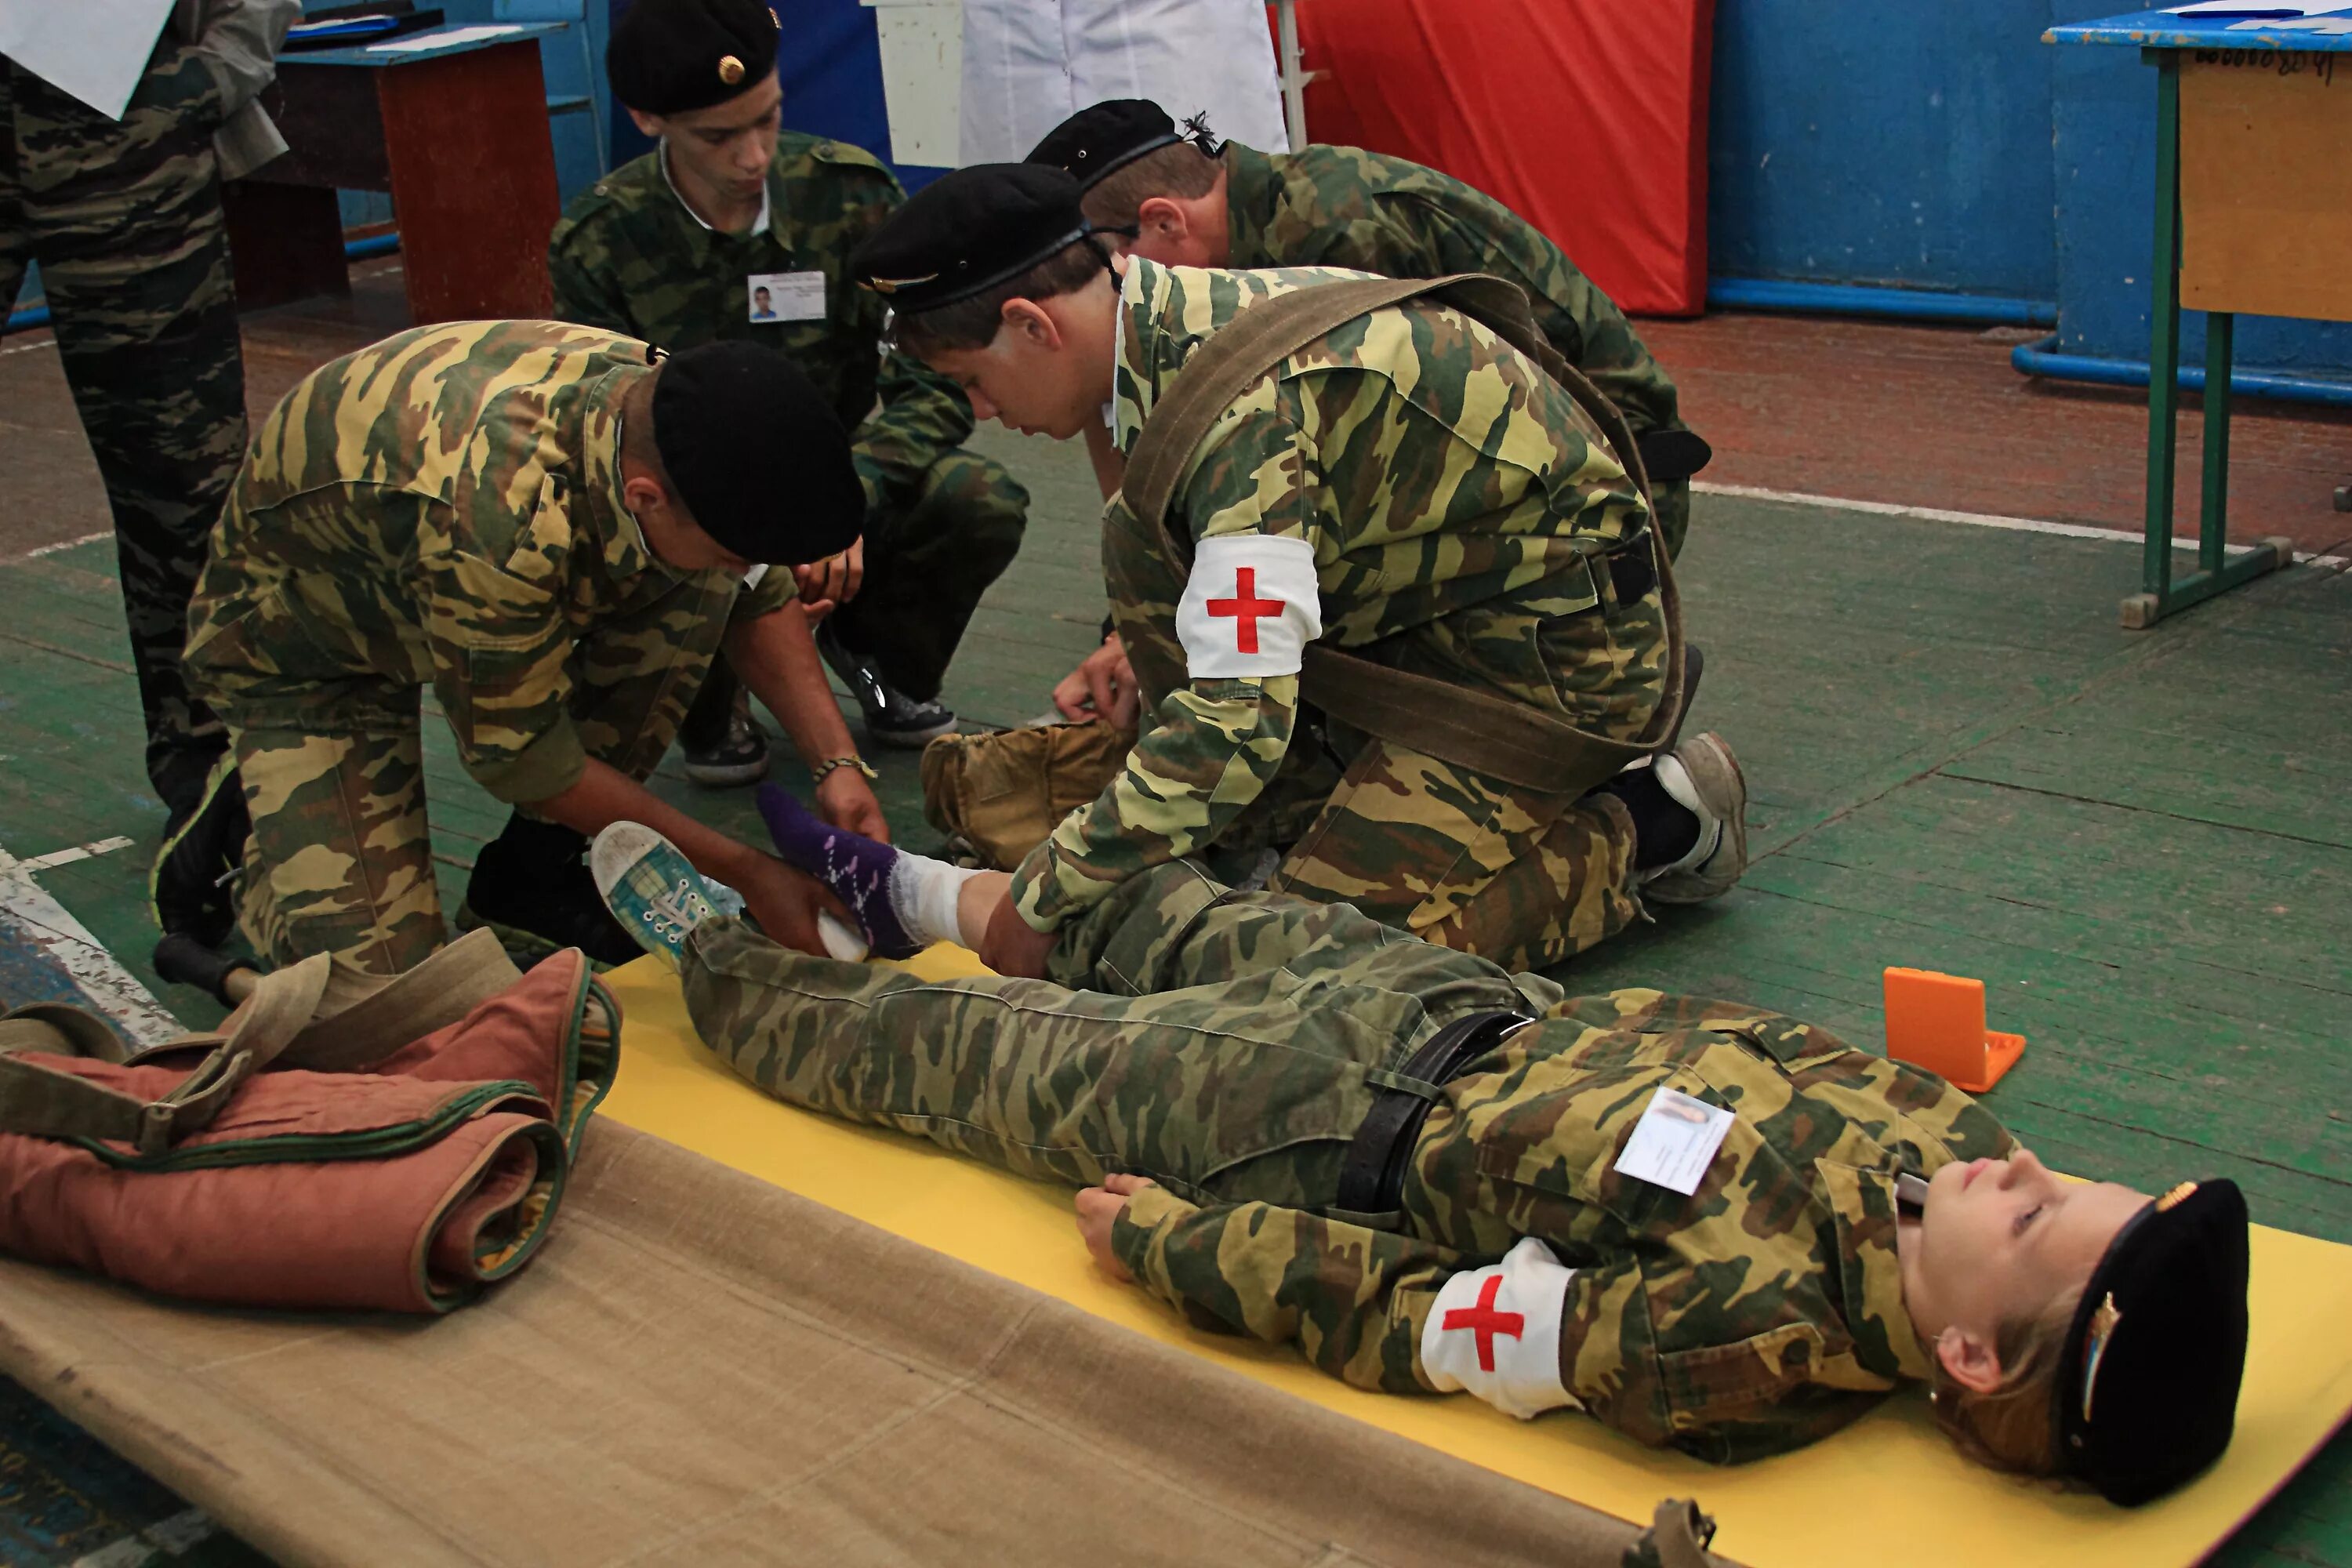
670 57
757 454
967 231
2147 1388
1107 136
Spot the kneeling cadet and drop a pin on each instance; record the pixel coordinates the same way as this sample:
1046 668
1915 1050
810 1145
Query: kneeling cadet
1383 562
1293 1123
555 528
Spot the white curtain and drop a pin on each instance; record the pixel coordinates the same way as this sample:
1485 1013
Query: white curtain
1028 65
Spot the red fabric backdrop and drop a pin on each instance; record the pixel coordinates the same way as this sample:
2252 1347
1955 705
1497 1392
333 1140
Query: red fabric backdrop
1589 117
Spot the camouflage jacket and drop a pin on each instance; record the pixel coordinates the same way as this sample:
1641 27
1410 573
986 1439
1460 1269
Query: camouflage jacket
443 509
1455 498
1752 1317
630 257
1342 207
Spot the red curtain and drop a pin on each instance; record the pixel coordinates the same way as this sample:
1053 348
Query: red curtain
1588 117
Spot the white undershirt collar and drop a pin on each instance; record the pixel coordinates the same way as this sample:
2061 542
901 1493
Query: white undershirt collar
760 227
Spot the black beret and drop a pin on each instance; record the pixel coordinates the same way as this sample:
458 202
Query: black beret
2148 1386
669 57
970 230
1104 136
757 454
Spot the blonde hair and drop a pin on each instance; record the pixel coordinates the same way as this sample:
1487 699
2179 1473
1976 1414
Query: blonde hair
1181 170
2012 1426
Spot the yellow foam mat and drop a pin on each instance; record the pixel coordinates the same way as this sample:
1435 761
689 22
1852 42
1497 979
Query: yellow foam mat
1887 1490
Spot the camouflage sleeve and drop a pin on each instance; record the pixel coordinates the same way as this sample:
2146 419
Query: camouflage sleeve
1353 1298
1214 744
239 46
584 293
773 592
499 647
1590 332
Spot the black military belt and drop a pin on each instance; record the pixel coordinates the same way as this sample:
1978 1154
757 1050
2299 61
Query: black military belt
1371 1182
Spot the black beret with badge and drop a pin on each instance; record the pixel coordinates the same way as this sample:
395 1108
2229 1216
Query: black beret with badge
1110 135
671 57
967 231
2147 1388
757 454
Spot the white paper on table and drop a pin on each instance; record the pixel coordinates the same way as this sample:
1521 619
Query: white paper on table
459 36
2260 11
94 49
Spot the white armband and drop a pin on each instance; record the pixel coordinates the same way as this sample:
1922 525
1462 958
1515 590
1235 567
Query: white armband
1250 608
1495 1333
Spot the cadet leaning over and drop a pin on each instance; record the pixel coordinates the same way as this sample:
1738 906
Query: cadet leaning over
554 534
1184 199
124 220
674 248
1292 1124
1408 487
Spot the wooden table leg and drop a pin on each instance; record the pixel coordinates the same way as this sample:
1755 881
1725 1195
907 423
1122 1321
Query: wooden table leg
473 181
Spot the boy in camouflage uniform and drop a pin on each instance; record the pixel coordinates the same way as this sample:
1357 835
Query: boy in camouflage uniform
670 248
1192 200
1409 485
1295 1124
124 220
554 532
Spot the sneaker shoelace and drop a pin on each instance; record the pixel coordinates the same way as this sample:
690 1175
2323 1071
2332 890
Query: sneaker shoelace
673 912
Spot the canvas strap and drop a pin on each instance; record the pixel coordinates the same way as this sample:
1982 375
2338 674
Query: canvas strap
1519 744
309 1014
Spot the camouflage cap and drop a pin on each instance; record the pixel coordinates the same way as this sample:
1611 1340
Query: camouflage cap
971 231
757 454
1105 136
2147 1388
670 57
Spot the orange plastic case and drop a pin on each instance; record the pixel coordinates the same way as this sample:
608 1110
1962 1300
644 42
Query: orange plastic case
1937 1022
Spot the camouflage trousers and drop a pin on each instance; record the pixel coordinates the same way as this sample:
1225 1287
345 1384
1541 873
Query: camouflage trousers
1525 877
341 859
1226 1044
125 222
926 569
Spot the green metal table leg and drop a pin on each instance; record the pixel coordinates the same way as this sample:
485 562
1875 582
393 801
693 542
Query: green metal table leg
2143 609
2217 573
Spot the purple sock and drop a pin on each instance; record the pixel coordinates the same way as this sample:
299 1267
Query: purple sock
854 867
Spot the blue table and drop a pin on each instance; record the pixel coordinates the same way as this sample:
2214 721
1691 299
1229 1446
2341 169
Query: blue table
452 123
2170 44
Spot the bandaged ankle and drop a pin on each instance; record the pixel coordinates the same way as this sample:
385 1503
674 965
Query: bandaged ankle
901 903
924 893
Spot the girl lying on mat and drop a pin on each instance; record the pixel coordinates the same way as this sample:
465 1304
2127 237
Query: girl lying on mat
1712 1227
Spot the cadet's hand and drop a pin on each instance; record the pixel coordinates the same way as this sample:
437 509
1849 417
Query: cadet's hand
1102 687
833 581
845 799
1098 1207
1011 948
785 902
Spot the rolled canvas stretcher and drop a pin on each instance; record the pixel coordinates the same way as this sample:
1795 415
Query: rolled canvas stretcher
1840 1502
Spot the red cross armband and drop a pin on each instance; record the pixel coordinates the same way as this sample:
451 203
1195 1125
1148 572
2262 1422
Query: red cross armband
1250 608
1495 1332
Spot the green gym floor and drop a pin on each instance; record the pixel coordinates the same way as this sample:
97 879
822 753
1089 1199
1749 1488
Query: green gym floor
2142 841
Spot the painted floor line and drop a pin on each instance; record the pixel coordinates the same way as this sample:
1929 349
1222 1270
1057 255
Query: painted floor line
65 544
57 857
31 919
1972 519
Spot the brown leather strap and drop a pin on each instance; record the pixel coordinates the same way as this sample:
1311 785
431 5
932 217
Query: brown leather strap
1519 744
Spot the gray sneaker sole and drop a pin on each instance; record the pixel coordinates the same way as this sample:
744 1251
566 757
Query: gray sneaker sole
1723 788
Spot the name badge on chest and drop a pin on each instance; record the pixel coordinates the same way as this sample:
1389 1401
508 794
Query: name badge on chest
1674 1142
785 295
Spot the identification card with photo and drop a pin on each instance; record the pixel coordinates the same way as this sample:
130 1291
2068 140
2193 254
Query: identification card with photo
785 295
1674 1142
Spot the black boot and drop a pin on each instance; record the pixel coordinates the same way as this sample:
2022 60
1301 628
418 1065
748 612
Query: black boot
531 885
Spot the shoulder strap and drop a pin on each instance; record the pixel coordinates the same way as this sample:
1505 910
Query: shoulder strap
310 1014
1505 739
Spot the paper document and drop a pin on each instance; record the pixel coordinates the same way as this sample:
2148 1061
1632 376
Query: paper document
94 49
423 41
2260 10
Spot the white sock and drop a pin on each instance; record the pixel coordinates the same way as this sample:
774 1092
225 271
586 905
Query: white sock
923 895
